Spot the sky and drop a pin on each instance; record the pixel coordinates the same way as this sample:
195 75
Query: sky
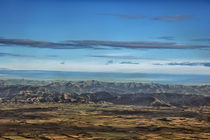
120 36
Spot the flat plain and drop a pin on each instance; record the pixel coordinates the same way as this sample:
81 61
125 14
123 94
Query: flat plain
60 121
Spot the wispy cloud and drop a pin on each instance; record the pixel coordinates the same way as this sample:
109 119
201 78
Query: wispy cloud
128 16
174 18
191 64
41 44
4 69
201 39
138 44
62 62
166 37
120 57
97 44
164 18
205 64
15 55
128 62
109 62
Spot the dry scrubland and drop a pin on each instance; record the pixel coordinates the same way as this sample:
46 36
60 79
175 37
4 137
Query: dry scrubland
102 121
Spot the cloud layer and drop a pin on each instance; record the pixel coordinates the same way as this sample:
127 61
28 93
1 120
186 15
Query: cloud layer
97 44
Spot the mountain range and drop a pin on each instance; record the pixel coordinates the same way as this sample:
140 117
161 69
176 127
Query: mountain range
99 92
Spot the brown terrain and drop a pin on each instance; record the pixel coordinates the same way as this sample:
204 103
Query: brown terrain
62 110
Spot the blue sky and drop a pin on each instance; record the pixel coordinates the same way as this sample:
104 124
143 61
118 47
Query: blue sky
124 36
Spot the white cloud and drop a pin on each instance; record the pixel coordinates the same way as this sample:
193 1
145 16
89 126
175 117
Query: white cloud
143 67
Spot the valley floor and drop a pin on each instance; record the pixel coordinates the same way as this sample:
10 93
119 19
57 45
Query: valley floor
102 121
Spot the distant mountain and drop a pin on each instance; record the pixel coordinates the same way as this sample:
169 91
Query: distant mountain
25 82
124 88
99 92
